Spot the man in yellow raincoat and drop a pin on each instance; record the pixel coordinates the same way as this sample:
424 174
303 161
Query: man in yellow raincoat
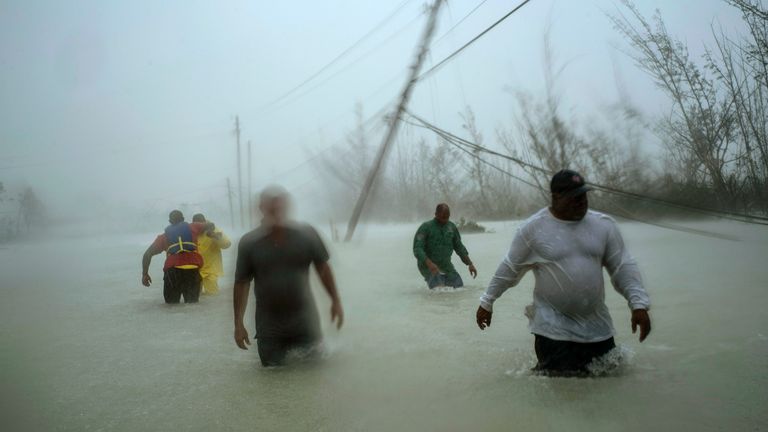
209 245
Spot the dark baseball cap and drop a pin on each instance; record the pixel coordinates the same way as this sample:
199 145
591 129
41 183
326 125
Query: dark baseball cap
568 183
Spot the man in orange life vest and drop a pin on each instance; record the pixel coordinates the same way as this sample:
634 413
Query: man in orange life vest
182 261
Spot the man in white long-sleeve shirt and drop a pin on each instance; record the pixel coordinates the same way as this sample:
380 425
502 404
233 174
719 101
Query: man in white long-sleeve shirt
567 246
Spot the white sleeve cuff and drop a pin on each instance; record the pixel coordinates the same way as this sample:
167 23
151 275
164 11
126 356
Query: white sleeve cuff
486 302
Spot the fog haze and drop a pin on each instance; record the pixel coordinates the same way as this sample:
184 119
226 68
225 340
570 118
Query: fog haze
113 105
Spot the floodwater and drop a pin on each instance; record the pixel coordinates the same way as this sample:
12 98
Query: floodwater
85 347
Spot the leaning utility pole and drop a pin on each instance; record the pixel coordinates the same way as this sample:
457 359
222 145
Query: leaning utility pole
239 171
231 210
250 192
395 119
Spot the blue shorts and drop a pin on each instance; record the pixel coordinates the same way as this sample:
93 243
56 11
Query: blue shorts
445 279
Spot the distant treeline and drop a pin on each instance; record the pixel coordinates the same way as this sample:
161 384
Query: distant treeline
715 140
20 213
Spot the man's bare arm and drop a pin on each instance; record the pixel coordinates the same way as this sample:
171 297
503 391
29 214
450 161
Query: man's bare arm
146 259
240 303
326 277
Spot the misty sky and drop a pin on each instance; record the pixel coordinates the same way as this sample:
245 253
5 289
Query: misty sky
133 103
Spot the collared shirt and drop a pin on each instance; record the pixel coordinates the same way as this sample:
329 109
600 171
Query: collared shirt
437 242
567 259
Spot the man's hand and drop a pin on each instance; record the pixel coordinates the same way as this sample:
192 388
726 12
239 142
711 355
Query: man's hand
214 235
483 318
432 267
473 271
337 314
641 319
241 337
146 280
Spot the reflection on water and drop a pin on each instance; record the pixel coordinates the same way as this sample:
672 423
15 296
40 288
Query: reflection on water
83 342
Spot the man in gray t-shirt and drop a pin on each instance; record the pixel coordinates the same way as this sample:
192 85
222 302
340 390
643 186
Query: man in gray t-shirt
277 256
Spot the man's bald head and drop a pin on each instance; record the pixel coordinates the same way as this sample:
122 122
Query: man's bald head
442 213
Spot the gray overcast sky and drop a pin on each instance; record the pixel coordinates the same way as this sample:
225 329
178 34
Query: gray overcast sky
134 101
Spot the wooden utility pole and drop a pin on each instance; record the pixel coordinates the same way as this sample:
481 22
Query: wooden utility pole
394 125
239 172
231 210
250 191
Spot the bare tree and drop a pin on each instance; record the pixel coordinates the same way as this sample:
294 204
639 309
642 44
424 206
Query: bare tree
476 168
31 210
715 132
741 67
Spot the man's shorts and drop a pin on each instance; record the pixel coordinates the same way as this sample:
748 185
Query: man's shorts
445 279
181 282
277 351
565 358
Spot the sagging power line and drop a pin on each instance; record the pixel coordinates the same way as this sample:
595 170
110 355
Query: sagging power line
741 217
285 99
333 61
442 62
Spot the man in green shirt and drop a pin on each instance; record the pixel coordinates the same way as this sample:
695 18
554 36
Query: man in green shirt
433 246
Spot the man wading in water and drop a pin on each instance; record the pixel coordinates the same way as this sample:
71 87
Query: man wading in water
434 243
277 256
567 246
182 260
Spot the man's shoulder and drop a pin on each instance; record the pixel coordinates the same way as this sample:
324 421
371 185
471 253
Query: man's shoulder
426 226
599 215
600 218
252 236
541 216
300 229
535 225
305 230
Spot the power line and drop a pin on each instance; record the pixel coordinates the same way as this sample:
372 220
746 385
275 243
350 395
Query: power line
358 59
366 125
471 41
741 217
338 57
452 142
447 32
349 65
623 212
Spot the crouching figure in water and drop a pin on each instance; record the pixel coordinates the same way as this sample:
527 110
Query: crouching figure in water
276 256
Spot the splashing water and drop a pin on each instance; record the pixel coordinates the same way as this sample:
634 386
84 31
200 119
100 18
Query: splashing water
616 362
